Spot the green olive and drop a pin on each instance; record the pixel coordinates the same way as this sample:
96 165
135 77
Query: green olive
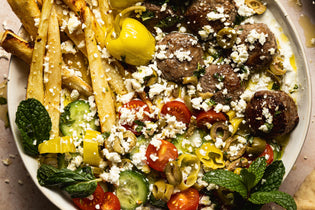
256 5
226 38
162 191
257 147
226 196
219 130
190 80
173 173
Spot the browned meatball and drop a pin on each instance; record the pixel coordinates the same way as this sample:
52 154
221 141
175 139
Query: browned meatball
271 113
223 82
178 56
260 52
208 12
156 17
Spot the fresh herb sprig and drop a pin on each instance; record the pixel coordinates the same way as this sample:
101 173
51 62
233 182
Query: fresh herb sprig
34 123
79 183
257 185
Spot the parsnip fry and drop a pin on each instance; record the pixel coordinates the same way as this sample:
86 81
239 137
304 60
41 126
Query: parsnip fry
76 83
103 94
114 78
35 86
53 75
28 12
78 6
22 49
77 38
14 44
106 13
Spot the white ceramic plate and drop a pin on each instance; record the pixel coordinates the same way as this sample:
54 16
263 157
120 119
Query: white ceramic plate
18 78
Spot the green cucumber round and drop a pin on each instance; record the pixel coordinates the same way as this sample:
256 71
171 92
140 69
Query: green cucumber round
133 189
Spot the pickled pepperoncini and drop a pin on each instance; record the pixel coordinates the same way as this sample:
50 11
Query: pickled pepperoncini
57 145
210 156
121 4
91 154
129 40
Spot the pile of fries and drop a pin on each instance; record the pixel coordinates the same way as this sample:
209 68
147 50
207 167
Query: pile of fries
47 23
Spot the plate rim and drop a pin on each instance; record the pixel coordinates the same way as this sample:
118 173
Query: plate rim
51 194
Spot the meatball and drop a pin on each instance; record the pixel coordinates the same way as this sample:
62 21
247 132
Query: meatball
261 45
223 82
271 113
215 13
157 17
178 56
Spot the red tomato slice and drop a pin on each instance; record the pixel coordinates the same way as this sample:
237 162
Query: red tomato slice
177 109
87 204
210 116
111 202
185 200
268 154
164 154
136 105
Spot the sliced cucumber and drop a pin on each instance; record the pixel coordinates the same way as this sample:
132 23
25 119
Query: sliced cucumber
133 189
75 120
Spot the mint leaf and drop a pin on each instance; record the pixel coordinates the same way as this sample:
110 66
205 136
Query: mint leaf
280 198
272 178
34 124
248 179
228 180
258 168
79 183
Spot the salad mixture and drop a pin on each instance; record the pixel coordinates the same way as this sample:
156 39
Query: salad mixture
199 100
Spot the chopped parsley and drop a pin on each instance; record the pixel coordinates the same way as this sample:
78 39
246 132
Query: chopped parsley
200 71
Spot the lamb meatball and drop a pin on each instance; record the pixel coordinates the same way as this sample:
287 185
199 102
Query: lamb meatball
223 82
261 45
178 56
165 19
271 114
216 13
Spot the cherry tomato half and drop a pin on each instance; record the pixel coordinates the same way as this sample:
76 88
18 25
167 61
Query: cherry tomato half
177 109
268 154
111 202
87 204
210 116
136 105
185 200
164 154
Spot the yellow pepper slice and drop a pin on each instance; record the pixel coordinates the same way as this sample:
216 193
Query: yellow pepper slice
235 122
91 154
130 41
189 166
210 156
121 4
57 145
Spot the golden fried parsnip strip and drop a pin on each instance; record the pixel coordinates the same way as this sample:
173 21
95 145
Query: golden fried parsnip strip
78 62
28 12
14 44
53 74
114 78
22 49
78 6
106 13
35 86
103 94
77 38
